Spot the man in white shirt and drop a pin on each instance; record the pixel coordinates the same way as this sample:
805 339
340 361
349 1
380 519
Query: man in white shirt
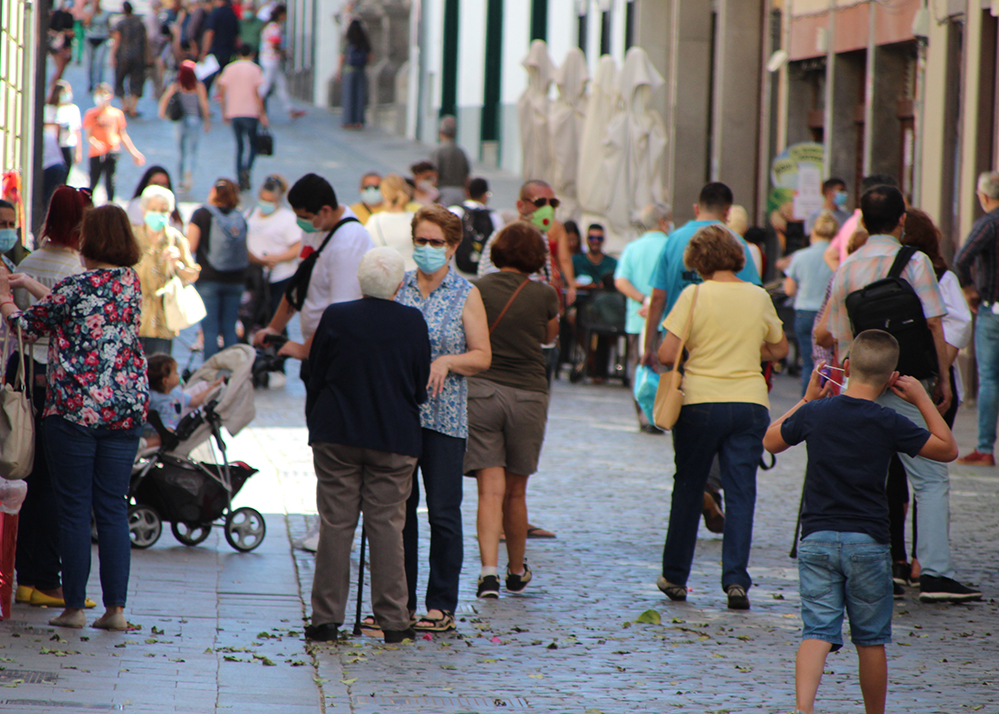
334 277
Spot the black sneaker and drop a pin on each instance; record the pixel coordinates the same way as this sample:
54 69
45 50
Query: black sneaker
737 598
488 587
933 589
901 573
517 583
677 593
327 632
898 592
394 637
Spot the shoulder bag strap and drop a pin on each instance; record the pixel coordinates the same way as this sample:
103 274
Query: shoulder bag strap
902 259
686 331
348 219
492 328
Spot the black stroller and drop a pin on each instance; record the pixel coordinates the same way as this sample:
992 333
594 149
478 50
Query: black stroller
167 485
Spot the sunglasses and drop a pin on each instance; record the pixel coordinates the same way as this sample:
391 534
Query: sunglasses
434 242
595 238
86 192
542 202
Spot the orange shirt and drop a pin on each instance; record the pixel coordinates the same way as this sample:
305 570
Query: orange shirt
105 127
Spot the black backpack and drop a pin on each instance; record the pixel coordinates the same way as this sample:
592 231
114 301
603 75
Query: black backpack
477 226
892 305
298 287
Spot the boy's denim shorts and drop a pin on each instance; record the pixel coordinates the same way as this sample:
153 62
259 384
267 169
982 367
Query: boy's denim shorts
848 572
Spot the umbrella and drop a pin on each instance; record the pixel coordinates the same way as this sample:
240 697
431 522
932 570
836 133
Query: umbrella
592 184
636 142
533 111
567 119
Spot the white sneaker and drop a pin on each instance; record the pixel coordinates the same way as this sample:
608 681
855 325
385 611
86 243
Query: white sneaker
310 541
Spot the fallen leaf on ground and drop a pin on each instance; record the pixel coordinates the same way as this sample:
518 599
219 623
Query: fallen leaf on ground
649 617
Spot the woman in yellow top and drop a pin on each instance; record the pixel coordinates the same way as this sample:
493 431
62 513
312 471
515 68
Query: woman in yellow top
733 327
165 253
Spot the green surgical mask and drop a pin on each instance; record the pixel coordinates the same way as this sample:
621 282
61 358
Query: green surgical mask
543 218
156 221
306 225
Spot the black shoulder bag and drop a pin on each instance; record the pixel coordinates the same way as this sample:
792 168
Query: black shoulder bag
298 287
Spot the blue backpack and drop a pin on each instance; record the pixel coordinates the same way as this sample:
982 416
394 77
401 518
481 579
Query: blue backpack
227 250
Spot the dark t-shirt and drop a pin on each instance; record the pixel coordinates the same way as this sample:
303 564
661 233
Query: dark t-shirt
202 218
516 342
850 442
369 366
133 39
582 265
224 22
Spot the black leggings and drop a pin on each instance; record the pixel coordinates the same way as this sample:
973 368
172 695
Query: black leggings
897 490
106 165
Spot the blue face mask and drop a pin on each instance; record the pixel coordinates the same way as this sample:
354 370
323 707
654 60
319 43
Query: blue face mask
266 207
8 238
840 199
429 259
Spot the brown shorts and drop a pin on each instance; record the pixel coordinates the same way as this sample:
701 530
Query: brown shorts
506 427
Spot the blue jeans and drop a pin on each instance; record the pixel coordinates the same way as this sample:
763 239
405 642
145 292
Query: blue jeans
90 471
734 431
188 133
987 356
97 58
931 489
803 321
245 129
848 572
222 305
441 464
353 92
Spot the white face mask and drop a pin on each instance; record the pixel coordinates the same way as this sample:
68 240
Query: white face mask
371 195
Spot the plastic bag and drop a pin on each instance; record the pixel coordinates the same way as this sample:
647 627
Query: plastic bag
646 383
12 495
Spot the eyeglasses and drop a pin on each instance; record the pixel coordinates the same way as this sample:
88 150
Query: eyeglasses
434 242
542 202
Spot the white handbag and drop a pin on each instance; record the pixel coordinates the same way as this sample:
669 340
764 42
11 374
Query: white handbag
182 305
17 422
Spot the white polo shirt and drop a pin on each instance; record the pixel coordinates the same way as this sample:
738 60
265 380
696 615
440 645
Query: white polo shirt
334 277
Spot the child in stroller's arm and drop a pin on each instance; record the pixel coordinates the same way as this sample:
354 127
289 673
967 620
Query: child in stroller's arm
167 398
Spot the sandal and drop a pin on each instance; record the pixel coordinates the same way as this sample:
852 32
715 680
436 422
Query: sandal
370 623
444 623
537 532
677 593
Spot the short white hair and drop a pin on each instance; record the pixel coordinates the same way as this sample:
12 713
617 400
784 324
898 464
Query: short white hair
652 215
381 272
988 183
152 192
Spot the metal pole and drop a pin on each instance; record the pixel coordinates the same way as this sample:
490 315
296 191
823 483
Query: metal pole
34 183
360 583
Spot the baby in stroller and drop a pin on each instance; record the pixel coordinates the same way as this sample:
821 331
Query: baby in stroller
168 399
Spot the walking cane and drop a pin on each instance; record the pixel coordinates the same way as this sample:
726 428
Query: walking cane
360 583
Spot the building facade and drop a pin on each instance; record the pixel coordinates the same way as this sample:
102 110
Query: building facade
17 135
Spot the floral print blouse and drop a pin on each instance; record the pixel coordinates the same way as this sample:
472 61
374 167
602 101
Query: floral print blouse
97 370
446 413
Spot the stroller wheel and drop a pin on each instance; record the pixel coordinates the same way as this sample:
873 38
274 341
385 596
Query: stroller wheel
144 526
245 529
191 533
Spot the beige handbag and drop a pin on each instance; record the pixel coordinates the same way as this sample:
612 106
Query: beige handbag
182 305
17 423
669 395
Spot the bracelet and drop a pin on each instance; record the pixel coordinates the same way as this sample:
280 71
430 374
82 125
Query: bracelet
8 300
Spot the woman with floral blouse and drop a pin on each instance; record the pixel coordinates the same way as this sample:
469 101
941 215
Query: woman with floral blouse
95 404
459 343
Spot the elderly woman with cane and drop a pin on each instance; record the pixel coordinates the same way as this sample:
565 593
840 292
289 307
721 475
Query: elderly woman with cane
370 364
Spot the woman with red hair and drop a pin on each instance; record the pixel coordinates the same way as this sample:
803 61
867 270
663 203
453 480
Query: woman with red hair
195 115
37 561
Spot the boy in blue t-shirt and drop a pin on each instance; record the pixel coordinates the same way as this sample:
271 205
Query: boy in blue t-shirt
844 562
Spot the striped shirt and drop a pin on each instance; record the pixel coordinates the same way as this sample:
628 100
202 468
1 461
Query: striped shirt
977 263
48 265
872 262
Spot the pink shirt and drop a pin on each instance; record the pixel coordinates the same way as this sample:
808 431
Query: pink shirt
849 227
241 80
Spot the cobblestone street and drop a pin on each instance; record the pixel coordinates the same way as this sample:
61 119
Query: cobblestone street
221 631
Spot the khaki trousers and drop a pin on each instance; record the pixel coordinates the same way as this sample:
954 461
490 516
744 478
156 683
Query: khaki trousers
351 481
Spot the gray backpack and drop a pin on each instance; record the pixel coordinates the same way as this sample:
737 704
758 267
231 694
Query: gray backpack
227 241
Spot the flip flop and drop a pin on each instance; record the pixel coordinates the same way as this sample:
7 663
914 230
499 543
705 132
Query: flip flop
435 624
536 532
370 623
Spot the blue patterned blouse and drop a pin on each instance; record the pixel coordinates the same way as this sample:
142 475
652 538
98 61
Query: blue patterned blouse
446 413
